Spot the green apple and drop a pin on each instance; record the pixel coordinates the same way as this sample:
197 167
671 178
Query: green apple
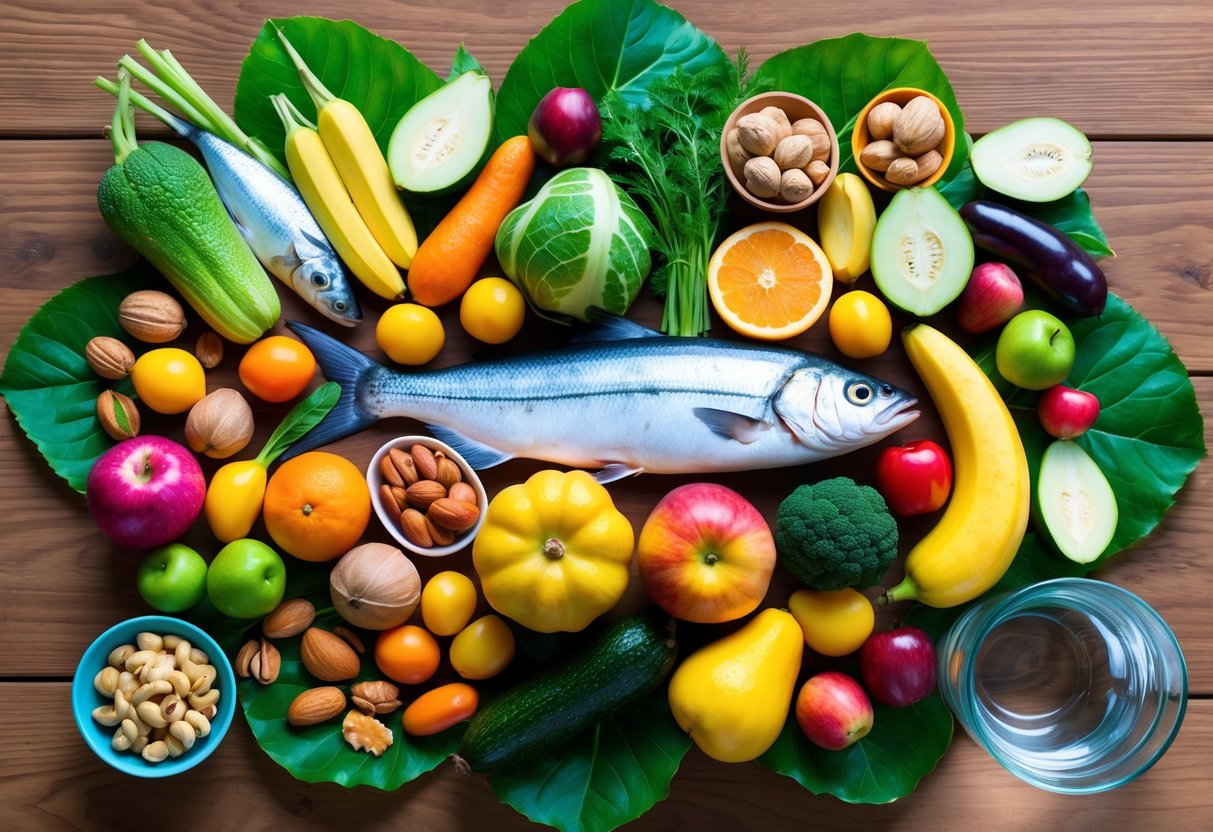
172 578
246 579
1035 350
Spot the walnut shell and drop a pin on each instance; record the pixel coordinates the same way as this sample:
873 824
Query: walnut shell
881 118
795 185
794 152
762 177
757 134
375 586
919 127
109 357
151 316
219 424
903 171
783 127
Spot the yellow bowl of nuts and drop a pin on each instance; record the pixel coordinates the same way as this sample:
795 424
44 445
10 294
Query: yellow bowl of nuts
426 495
903 138
153 696
779 151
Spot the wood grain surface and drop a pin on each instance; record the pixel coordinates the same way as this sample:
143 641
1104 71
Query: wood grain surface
1136 77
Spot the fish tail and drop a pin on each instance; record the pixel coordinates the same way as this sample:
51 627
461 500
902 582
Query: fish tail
346 366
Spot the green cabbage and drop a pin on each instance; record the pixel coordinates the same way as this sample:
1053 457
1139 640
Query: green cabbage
580 243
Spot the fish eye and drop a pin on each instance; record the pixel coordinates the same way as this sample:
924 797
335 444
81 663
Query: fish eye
859 392
886 390
320 280
339 306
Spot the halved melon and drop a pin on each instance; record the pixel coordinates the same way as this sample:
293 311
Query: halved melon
441 140
1075 506
1034 159
922 253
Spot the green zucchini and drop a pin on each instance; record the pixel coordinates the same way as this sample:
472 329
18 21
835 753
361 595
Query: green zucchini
620 667
160 200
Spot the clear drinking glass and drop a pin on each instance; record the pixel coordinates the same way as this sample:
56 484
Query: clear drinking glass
1073 685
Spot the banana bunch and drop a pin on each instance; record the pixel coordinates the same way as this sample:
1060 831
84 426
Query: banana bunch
975 541
345 181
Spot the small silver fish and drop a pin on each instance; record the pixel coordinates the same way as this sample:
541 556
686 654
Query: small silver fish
623 399
276 223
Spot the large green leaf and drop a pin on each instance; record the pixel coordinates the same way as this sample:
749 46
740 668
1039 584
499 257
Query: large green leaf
603 46
903 746
613 774
841 75
49 386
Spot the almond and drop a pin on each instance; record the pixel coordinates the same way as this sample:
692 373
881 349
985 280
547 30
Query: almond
440 536
423 493
455 515
404 466
350 637
151 316
413 525
387 494
315 706
327 657
448 472
424 460
290 618
109 357
390 473
463 492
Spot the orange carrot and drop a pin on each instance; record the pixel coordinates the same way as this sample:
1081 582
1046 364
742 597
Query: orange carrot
447 262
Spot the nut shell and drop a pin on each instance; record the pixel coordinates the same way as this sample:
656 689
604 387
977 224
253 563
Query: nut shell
209 349
880 154
779 119
881 118
328 657
795 185
109 357
315 706
151 316
919 127
757 134
794 152
220 424
112 408
903 171
762 177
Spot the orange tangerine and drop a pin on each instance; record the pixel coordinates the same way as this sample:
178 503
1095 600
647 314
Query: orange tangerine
770 281
317 506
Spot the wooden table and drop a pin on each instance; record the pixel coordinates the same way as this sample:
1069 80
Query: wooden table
1136 77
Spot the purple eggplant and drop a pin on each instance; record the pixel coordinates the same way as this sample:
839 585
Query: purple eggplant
1052 260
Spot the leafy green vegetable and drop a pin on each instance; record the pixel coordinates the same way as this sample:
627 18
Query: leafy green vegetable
903 746
302 417
603 46
580 243
842 75
47 382
461 63
667 154
612 775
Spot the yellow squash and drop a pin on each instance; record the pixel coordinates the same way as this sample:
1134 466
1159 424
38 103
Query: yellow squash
554 553
975 541
733 696
846 216
234 497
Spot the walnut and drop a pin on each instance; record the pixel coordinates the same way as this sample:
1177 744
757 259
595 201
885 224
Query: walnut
365 733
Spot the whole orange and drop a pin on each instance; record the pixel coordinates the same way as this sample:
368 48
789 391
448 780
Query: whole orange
317 506
407 654
277 368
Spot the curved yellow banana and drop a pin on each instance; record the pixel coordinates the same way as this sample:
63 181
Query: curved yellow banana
981 529
320 186
365 174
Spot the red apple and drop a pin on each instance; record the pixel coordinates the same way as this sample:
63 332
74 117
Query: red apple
991 297
914 478
145 491
565 127
898 666
1066 412
833 711
705 554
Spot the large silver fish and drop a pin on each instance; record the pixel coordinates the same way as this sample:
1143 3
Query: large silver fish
624 399
276 223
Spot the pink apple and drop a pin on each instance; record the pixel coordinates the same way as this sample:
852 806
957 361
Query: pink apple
1066 412
991 298
898 666
706 554
833 711
145 491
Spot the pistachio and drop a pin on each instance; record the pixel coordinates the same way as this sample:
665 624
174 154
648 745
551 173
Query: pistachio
109 357
117 415
265 664
245 657
209 349
151 316
219 424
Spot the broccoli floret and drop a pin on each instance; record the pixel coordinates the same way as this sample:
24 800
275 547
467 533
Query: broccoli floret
835 534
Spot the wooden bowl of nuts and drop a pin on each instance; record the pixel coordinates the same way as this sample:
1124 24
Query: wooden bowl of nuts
903 138
426 495
779 151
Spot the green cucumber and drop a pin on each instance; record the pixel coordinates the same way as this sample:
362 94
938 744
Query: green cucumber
620 667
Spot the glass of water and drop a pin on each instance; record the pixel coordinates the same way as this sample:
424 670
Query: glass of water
1073 685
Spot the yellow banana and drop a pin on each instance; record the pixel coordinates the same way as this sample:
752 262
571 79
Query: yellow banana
363 170
847 219
980 531
320 186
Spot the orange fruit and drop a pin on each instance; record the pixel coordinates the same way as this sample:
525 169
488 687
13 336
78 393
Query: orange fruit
317 506
770 281
277 368
407 654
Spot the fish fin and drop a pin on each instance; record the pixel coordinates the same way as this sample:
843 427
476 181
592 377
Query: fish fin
322 246
616 471
291 259
730 425
476 454
346 366
609 327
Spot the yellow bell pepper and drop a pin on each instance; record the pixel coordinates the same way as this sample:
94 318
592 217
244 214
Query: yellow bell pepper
554 553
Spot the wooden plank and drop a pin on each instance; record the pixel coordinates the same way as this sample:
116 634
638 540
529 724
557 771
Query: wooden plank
1143 70
51 781
1150 198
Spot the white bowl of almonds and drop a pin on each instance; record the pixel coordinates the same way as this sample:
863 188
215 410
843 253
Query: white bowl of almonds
426 495
153 696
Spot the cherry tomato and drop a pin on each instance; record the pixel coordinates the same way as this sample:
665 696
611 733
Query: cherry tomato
447 603
168 380
440 708
914 478
492 310
482 649
409 333
407 654
860 325
834 623
277 368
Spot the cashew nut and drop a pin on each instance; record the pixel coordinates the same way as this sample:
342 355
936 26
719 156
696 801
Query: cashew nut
119 655
184 734
171 641
175 748
172 708
149 712
106 682
206 678
120 742
200 724
180 683
106 715
182 653
138 745
150 641
155 752
129 729
198 701
127 683
157 688
135 661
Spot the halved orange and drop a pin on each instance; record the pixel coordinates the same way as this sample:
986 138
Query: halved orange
770 281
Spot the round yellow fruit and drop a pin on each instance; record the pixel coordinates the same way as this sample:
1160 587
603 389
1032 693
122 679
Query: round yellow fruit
860 325
492 310
834 623
409 333
169 380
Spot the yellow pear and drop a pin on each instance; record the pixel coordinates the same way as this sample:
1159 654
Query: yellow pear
733 696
